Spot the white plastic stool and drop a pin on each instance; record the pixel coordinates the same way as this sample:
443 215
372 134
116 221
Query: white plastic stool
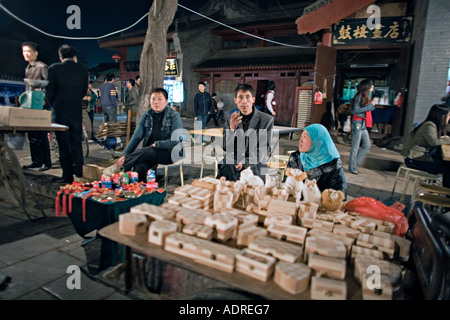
418 176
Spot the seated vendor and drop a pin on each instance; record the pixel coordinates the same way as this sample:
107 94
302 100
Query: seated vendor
422 147
247 137
318 157
156 130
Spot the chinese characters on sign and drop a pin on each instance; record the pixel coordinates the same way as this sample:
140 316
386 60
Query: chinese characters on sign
171 67
390 30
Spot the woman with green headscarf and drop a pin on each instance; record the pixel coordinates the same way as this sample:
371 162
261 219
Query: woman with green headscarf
318 157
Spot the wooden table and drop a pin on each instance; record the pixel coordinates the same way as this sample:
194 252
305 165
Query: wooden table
268 290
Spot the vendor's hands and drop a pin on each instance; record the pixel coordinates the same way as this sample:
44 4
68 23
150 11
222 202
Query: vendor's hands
239 166
235 119
274 113
120 161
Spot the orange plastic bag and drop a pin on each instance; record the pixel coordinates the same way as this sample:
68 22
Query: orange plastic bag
376 209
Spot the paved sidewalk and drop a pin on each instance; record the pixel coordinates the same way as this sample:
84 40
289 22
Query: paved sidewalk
36 255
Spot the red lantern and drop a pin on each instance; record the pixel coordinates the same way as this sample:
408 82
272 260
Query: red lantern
116 57
318 97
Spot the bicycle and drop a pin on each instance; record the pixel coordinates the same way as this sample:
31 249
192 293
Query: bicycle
14 179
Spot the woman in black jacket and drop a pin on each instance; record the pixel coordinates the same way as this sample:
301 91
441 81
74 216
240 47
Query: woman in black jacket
318 157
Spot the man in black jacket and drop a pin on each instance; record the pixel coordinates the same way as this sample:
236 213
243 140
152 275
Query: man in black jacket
39 146
202 106
68 84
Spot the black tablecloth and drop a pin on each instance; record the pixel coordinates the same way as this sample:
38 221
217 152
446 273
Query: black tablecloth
99 215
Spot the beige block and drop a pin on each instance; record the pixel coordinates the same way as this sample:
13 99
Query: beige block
327 266
198 230
348 242
278 218
387 268
319 224
289 233
376 243
282 207
132 224
357 250
205 252
346 231
292 277
157 213
403 244
380 291
255 264
247 235
325 246
185 217
328 289
327 216
281 250
224 226
307 209
159 230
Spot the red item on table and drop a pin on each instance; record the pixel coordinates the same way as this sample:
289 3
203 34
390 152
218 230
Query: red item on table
376 209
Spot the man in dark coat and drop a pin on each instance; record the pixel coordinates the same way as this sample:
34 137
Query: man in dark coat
247 137
39 146
68 84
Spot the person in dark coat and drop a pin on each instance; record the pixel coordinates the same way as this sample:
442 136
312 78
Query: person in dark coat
318 157
68 84
247 137
39 146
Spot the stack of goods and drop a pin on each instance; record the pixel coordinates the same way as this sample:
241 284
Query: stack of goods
297 242
111 130
119 187
112 135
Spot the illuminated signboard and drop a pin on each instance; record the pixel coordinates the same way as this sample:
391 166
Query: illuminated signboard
356 31
171 67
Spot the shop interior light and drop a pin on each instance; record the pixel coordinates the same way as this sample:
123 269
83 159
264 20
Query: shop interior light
358 66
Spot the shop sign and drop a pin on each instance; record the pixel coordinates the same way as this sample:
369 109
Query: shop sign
357 31
171 67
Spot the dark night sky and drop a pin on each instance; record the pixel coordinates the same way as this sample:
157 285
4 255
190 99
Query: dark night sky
97 18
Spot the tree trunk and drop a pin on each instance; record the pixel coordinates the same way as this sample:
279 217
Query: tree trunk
154 51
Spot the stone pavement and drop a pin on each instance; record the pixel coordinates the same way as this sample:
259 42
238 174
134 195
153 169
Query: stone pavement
36 255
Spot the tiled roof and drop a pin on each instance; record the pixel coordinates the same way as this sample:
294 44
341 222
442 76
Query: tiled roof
259 57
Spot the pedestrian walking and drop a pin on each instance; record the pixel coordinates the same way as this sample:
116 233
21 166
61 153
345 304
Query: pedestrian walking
359 105
108 97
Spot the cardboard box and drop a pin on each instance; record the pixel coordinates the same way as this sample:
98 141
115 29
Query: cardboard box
12 116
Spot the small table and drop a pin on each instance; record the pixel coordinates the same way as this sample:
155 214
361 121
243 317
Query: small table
99 215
